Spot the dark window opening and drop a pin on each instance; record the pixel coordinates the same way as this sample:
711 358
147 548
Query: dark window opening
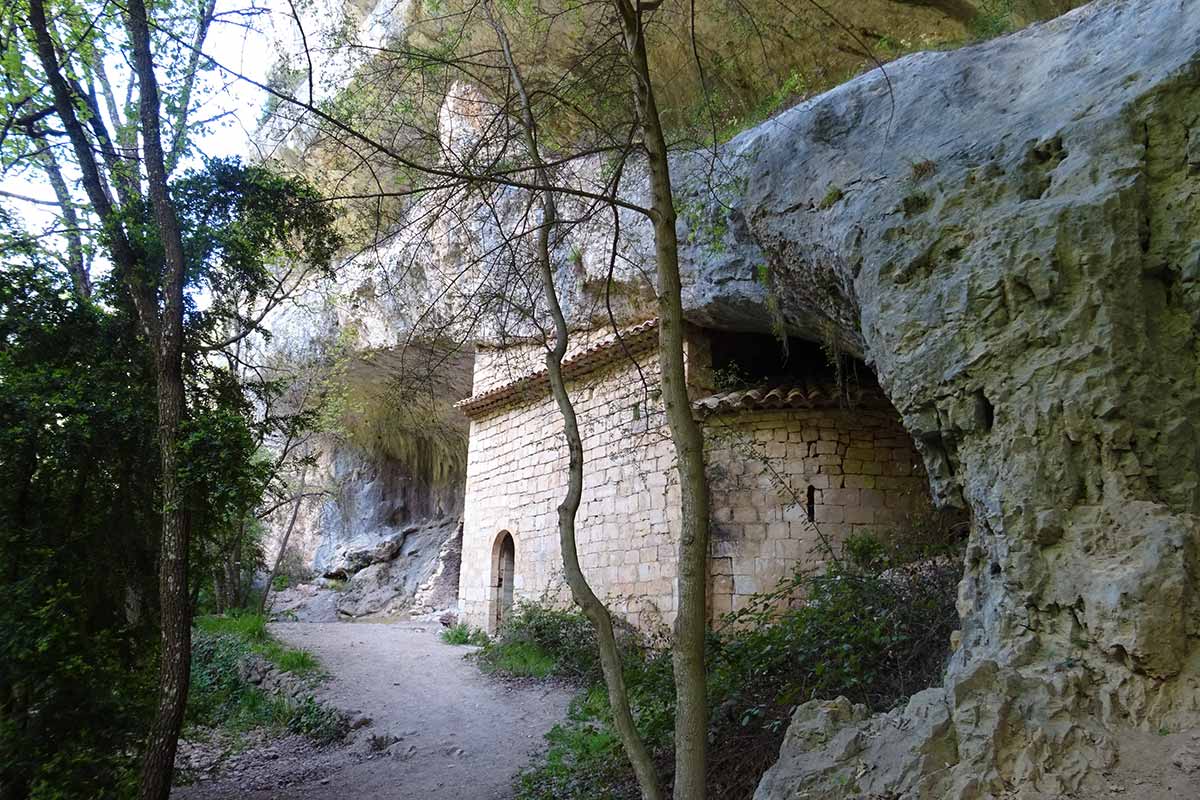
746 360
812 503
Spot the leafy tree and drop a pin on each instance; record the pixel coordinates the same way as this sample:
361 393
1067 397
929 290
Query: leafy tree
78 510
218 231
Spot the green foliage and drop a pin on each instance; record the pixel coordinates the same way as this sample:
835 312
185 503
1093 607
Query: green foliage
240 223
995 18
731 377
539 639
219 697
831 197
583 759
80 511
915 203
298 661
316 721
250 628
704 224
875 627
280 582
766 277
519 660
251 631
462 633
78 533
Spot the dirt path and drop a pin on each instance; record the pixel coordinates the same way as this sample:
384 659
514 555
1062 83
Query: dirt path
439 728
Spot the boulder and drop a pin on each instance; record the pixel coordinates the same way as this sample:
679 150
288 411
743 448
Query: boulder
346 560
305 602
418 574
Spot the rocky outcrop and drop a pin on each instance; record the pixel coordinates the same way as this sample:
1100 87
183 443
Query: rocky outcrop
261 672
1008 234
378 539
367 501
361 502
416 572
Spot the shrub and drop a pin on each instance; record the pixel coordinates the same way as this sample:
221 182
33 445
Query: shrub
831 198
461 633
538 639
994 18
519 660
875 628
319 723
220 697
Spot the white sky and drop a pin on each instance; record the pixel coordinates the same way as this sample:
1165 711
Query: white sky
250 52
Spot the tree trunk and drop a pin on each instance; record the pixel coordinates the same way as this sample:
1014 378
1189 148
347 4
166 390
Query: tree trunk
219 591
174 600
287 534
592 607
691 716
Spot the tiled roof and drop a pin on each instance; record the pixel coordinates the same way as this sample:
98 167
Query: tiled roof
631 341
789 395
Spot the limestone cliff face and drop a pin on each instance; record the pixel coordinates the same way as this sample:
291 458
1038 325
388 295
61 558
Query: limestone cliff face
366 500
1009 234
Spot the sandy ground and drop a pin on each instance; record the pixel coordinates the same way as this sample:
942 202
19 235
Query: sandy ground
439 728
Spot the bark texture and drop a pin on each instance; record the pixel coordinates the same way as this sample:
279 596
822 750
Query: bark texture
175 611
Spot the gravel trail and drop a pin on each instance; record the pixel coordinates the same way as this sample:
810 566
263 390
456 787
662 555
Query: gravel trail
439 728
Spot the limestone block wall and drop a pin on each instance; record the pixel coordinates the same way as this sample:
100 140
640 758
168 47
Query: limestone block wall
516 476
865 474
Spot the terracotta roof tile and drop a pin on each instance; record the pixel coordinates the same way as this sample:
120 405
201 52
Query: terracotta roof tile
785 395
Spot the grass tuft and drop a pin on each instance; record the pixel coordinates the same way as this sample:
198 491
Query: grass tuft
220 697
462 633
248 627
252 630
519 660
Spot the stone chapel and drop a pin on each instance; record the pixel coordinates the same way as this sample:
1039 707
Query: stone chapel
798 458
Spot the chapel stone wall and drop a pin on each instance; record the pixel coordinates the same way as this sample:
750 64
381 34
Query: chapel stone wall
516 477
865 473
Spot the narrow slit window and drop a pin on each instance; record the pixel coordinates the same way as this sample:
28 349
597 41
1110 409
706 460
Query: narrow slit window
812 503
